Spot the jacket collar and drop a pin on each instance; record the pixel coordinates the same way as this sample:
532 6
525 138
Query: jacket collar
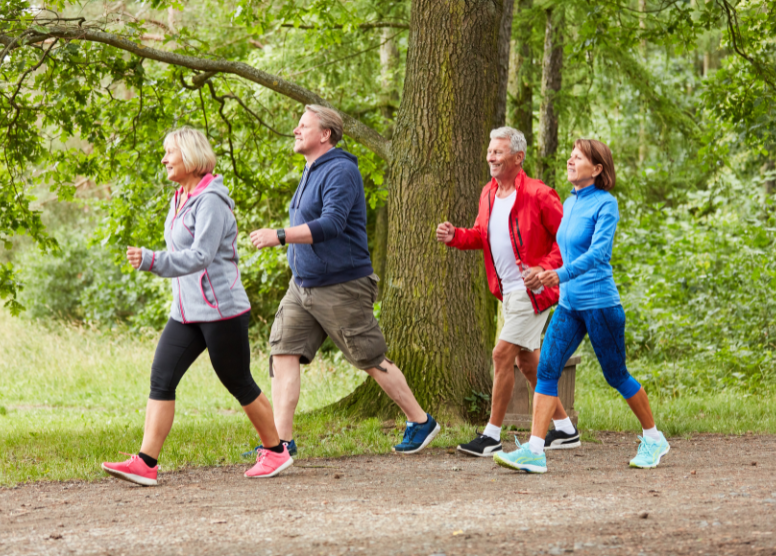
584 192
519 180
201 186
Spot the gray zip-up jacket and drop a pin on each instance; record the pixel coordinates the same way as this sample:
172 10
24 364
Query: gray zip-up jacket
201 256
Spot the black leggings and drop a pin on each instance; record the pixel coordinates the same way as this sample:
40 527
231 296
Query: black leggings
229 349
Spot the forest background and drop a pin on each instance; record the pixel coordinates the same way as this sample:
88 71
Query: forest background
682 91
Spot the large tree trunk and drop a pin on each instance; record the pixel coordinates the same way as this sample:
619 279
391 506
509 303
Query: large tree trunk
521 75
552 65
389 80
438 316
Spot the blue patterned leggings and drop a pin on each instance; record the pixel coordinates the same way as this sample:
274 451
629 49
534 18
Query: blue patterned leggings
606 328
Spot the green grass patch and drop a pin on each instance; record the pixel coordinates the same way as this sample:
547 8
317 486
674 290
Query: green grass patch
71 398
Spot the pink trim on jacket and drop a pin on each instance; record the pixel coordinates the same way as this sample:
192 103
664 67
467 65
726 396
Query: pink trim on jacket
153 258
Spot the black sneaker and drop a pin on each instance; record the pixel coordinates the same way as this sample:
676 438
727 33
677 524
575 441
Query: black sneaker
482 447
557 440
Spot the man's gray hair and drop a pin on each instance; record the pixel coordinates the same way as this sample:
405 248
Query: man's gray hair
516 138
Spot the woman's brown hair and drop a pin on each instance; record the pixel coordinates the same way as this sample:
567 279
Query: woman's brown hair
598 153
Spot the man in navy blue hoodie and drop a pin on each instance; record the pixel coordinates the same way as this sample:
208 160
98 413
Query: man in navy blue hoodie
334 287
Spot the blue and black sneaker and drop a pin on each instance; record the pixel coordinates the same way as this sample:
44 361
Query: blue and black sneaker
418 436
290 446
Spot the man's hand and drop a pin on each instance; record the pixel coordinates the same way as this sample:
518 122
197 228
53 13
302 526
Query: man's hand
549 278
264 238
135 256
445 232
531 277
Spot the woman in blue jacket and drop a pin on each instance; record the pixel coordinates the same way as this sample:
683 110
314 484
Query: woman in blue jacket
589 304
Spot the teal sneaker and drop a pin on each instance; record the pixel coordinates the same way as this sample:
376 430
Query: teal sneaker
650 452
522 459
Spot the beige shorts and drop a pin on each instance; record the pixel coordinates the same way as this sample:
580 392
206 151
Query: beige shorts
522 327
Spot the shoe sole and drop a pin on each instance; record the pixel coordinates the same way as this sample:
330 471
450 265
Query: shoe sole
563 446
493 450
130 477
431 436
284 466
655 464
528 468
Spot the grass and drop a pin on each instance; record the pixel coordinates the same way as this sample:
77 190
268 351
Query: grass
71 398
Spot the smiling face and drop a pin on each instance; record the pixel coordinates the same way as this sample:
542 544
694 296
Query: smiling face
308 135
503 163
581 171
173 162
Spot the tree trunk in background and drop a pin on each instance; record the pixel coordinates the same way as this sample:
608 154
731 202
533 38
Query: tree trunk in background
521 75
643 105
552 65
389 62
504 40
438 315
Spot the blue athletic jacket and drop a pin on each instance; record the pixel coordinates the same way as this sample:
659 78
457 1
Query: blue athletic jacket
330 200
585 238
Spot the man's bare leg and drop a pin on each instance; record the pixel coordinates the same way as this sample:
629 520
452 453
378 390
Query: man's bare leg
286 384
394 384
505 355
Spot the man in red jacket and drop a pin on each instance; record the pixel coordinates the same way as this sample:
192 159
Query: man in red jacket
515 227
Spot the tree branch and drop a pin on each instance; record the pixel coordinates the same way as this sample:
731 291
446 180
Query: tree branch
354 128
372 25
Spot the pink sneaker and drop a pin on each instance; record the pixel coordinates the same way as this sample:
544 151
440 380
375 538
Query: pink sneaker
269 464
133 470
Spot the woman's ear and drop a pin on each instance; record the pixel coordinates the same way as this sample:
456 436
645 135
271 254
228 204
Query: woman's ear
597 169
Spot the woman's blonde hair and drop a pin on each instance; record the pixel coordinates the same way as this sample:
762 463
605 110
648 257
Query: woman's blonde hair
198 156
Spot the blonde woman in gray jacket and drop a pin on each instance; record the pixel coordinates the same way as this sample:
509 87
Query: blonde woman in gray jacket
210 309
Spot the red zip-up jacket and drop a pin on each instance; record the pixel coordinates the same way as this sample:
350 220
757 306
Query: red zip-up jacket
533 223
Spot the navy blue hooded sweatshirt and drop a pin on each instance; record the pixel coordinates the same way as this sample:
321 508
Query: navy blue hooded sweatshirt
330 200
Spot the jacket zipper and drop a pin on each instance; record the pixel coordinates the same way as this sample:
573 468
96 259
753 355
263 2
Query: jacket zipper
530 293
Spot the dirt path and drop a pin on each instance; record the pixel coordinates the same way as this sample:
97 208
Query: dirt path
712 495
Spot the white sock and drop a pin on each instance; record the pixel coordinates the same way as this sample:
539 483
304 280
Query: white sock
536 445
652 433
493 431
564 425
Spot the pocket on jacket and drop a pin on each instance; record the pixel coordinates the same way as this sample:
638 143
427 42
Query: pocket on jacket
308 263
206 289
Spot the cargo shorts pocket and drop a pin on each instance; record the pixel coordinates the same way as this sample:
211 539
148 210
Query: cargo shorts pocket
276 332
365 343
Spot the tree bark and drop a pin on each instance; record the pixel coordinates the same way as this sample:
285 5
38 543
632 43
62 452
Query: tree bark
438 316
504 41
552 65
389 63
522 75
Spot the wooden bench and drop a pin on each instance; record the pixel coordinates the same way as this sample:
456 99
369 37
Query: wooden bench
520 408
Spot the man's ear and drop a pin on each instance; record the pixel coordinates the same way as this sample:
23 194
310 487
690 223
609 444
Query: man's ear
325 136
520 158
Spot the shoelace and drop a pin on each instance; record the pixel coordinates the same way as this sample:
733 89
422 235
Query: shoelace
644 448
518 443
409 433
260 455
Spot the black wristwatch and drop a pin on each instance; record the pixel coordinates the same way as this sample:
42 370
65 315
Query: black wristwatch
282 236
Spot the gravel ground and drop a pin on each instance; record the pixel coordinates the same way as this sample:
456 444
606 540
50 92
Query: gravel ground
711 495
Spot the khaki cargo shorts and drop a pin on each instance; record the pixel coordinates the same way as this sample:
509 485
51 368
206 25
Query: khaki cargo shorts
344 312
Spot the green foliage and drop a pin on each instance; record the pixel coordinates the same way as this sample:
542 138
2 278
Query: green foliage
698 282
